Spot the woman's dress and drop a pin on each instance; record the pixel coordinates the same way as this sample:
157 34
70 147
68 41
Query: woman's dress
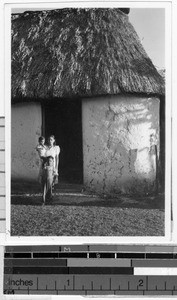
54 151
47 182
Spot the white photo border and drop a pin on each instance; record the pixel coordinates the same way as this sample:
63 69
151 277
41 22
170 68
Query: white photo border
29 240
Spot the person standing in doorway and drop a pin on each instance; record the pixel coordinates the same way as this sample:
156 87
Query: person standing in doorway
54 151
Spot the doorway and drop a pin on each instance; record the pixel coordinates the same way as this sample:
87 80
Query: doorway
63 119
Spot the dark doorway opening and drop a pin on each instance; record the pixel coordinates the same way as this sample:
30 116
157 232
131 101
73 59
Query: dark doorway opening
63 119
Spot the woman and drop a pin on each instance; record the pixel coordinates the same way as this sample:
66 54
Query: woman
50 169
54 151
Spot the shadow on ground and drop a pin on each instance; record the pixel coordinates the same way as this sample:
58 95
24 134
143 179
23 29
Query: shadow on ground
74 212
25 194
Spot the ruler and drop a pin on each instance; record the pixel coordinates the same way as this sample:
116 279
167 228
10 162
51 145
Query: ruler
2 175
90 270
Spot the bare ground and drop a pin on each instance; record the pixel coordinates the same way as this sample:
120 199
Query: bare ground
73 213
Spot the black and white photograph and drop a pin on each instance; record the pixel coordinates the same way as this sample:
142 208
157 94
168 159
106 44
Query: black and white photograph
89 127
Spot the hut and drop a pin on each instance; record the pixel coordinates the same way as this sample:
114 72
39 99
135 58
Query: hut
83 75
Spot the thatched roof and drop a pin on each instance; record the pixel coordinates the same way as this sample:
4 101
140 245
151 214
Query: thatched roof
162 73
79 53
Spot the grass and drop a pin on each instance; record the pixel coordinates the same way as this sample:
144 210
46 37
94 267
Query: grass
86 215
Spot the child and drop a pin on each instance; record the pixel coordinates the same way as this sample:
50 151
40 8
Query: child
48 173
41 149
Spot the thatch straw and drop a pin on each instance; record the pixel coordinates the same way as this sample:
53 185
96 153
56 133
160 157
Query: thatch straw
79 53
162 73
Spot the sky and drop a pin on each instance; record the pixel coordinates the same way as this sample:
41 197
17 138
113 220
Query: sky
149 24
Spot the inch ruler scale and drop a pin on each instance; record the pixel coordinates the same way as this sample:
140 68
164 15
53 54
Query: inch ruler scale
90 270
2 175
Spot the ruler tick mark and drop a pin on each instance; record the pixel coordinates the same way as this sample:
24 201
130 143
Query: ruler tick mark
163 286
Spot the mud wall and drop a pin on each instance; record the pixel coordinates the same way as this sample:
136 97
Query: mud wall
120 143
26 128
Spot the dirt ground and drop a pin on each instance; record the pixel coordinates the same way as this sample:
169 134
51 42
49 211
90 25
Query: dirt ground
73 212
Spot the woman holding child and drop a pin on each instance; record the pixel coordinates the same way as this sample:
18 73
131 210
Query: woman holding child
48 173
54 151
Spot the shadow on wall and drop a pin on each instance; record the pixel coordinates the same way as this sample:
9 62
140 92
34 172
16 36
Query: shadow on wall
123 155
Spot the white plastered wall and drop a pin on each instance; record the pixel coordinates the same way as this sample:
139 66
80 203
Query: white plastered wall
26 125
119 135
